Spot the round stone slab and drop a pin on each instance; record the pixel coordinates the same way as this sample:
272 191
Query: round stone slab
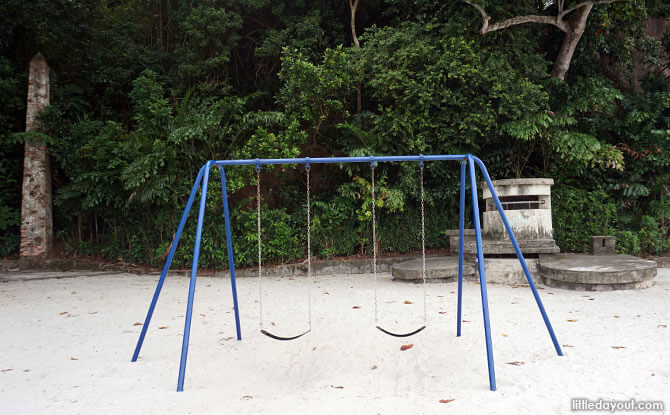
437 268
598 273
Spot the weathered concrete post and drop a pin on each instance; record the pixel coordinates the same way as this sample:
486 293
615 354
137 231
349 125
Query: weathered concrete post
36 205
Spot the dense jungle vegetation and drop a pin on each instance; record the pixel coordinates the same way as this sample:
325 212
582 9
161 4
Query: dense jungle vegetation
143 92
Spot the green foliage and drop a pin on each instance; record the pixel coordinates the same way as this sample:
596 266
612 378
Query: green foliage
360 192
401 231
9 237
579 214
627 242
432 92
335 230
143 93
557 134
653 238
316 95
10 95
210 33
11 158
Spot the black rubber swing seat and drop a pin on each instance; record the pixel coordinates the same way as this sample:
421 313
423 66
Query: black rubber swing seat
401 335
273 336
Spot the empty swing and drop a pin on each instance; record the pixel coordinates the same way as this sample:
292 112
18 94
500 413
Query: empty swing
309 256
374 254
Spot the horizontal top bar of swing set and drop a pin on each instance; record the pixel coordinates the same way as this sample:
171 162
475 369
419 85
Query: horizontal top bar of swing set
323 160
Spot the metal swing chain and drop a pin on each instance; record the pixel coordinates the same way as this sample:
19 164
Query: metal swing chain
258 222
423 247
310 280
374 237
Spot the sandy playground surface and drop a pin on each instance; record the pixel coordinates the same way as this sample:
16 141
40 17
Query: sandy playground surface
67 342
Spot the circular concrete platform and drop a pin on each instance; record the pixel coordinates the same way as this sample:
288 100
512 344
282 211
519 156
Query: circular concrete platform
437 268
583 272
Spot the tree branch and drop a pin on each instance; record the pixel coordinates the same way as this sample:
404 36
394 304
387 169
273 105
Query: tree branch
486 27
531 18
485 17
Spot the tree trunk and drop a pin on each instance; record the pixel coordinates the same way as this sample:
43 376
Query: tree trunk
353 6
576 26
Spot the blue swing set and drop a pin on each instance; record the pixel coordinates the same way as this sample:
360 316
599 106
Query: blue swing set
468 161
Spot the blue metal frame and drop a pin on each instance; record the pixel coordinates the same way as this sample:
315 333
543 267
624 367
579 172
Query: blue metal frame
468 162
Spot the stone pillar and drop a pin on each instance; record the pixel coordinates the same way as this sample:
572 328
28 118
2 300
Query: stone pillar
36 205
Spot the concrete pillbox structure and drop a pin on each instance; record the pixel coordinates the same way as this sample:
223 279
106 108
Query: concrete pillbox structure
527 204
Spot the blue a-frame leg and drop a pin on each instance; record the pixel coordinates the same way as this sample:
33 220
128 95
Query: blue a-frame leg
482 274
461 225
467 163
519 255
471 160
166 267
201 180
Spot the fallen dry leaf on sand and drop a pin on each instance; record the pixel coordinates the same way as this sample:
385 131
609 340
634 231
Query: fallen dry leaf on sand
137 323
406 347
446 400
516 363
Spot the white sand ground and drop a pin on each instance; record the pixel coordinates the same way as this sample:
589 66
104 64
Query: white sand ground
66 344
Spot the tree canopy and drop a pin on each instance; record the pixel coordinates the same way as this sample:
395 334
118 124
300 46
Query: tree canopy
144 92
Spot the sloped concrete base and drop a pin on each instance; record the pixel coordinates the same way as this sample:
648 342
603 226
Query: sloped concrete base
498 270
437 268
509 271
598 273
